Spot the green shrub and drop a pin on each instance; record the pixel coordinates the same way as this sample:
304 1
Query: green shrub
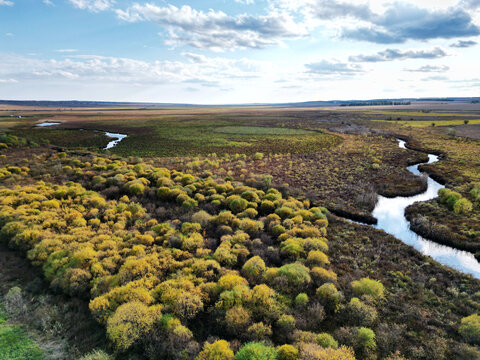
368 287
238 204
366 338
470 329
462 206
301 299
327 341
256 351
296 274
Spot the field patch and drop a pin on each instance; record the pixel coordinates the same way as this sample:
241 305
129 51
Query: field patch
436 122
261 130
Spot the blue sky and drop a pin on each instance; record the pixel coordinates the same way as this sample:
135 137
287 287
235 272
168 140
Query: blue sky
238 51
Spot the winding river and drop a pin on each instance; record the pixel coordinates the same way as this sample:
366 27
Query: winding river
390 213
116 137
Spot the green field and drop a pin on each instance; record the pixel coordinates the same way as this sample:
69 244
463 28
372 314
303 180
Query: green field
15 343
187 135
258 130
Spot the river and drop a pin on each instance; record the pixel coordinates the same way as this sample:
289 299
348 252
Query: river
390 213
116 137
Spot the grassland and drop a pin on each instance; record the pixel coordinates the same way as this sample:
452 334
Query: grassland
435 122
218 246
15 343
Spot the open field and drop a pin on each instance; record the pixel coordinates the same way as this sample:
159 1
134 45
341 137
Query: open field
208 229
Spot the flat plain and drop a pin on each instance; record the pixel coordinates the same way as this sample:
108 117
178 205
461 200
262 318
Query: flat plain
231 228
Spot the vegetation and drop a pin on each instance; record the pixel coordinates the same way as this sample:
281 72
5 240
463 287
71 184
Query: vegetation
235 255
15 343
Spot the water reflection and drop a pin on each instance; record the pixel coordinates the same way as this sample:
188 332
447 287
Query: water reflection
391 218
117 137
48 123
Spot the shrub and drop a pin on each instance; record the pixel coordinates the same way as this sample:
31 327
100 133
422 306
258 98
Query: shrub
237 319
259 331
366 338
202 217
238 204
301 299
219 350
97 355
254 268
284 212
228 282
329 296
359 313
475 192
296 274
317 258
286 324
287 352
470 329
321 275
256 351
327 341
129 323
316 352
462 206
368 287
14 302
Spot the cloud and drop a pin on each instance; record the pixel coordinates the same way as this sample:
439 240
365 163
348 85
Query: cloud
395 54
435 78
464 44
9 34
216 30
66 50
470 4
195 58
92 5
328 10
246 2
429 69
399 22
48 2
6 3
8 81
210 72
326 67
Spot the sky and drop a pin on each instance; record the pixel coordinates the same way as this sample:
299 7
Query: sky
238 51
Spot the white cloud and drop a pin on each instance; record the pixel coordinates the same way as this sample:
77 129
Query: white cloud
387 22
246 2
334 67
216 30
66 50
89 68
92 5
6 2
48 2
396 54
8 81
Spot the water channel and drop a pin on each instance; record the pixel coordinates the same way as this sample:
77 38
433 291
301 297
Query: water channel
116 137
390 213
